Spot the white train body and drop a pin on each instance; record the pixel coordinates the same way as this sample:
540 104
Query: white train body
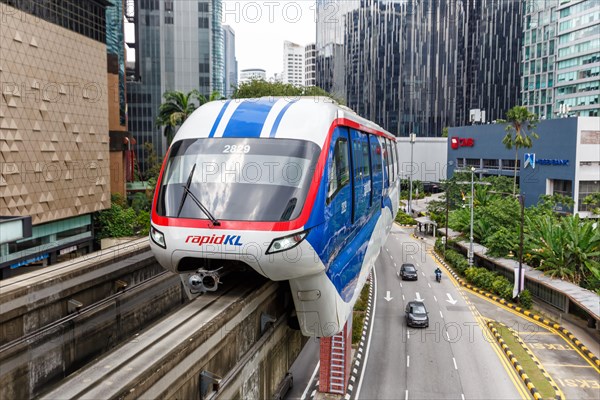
301 190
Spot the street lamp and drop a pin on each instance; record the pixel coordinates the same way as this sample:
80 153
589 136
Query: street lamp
413 137
473 170
521 199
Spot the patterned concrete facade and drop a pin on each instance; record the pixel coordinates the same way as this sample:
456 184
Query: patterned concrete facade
54 153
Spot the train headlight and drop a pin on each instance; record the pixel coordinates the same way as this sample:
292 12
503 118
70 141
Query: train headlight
286 242
158 237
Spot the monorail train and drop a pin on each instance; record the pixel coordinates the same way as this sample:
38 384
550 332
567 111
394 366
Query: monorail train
302 190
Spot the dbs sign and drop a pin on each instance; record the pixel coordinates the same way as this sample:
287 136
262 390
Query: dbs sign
456 142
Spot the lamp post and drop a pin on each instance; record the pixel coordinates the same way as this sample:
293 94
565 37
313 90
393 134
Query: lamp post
472 171
471 230
521 199
413 137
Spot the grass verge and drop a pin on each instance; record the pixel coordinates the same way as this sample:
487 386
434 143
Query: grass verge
529 366
358 315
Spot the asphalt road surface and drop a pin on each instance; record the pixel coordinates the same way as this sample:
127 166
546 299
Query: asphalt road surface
452 359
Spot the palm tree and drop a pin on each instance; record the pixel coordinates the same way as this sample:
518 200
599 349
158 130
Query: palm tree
520 120
178 106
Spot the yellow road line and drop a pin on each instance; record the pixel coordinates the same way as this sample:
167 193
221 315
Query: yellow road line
539 324
517 382
569 365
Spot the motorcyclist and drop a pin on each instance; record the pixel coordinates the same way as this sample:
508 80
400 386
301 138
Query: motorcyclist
438 273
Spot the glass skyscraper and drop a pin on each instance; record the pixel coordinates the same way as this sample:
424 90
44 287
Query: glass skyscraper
561 58
419 66
176 49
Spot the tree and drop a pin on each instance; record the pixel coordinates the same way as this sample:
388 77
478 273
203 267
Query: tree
445 132
177 107
593 201
521 122
261 88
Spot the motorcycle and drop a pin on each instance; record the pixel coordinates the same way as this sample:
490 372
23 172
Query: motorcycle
438 276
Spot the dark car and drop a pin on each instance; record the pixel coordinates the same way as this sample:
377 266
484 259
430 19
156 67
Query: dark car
416 314
408 272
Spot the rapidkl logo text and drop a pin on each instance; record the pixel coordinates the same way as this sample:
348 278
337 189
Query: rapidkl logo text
232 240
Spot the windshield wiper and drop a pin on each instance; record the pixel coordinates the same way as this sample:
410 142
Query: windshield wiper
186 191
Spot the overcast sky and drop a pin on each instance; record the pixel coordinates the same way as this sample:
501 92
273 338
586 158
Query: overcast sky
262 26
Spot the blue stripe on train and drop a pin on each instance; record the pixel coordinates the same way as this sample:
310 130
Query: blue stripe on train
248 119
279 117
218 120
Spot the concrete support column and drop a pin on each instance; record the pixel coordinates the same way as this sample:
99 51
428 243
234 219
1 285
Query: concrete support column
336 360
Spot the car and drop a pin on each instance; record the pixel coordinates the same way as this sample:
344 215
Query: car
408 272
416 314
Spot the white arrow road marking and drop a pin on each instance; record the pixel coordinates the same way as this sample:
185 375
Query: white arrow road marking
387 296
450 299
418 297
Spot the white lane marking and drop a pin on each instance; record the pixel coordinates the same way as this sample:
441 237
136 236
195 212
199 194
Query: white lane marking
395 265
441 315
454 360
408 334
435 298
418 297
447 335
406 395
313 393
428 284
403 298
450 299
362 373
391 256
423 273
309 382
407 361
387 297
462 396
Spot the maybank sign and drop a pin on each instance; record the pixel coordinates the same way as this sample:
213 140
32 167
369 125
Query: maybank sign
531 161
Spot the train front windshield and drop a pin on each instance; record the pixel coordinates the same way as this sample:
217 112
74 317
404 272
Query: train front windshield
241 179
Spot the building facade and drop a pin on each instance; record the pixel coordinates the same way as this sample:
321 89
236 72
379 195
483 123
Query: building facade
310 65
293 64
561 58
230 65
420 66
175 47
250 74
54 128
564 160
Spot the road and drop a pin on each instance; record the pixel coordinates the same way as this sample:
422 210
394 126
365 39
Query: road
452 359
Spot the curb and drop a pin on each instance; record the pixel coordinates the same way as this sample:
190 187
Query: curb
557 391
513 360
357 360
563 331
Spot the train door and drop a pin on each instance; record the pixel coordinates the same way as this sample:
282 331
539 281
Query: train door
338 207
361 177
377 171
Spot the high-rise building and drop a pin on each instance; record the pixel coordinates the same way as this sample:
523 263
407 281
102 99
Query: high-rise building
230 62
293 63
561 58
217 49
310 65
54 129
176 42
421 66
250 74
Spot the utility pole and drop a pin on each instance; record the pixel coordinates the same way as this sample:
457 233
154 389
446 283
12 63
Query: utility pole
413 137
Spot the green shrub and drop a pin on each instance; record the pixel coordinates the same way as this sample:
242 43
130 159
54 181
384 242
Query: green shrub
525 299
404 219
357 326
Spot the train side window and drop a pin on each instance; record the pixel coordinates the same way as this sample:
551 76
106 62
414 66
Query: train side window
392 162
386 160
339 171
